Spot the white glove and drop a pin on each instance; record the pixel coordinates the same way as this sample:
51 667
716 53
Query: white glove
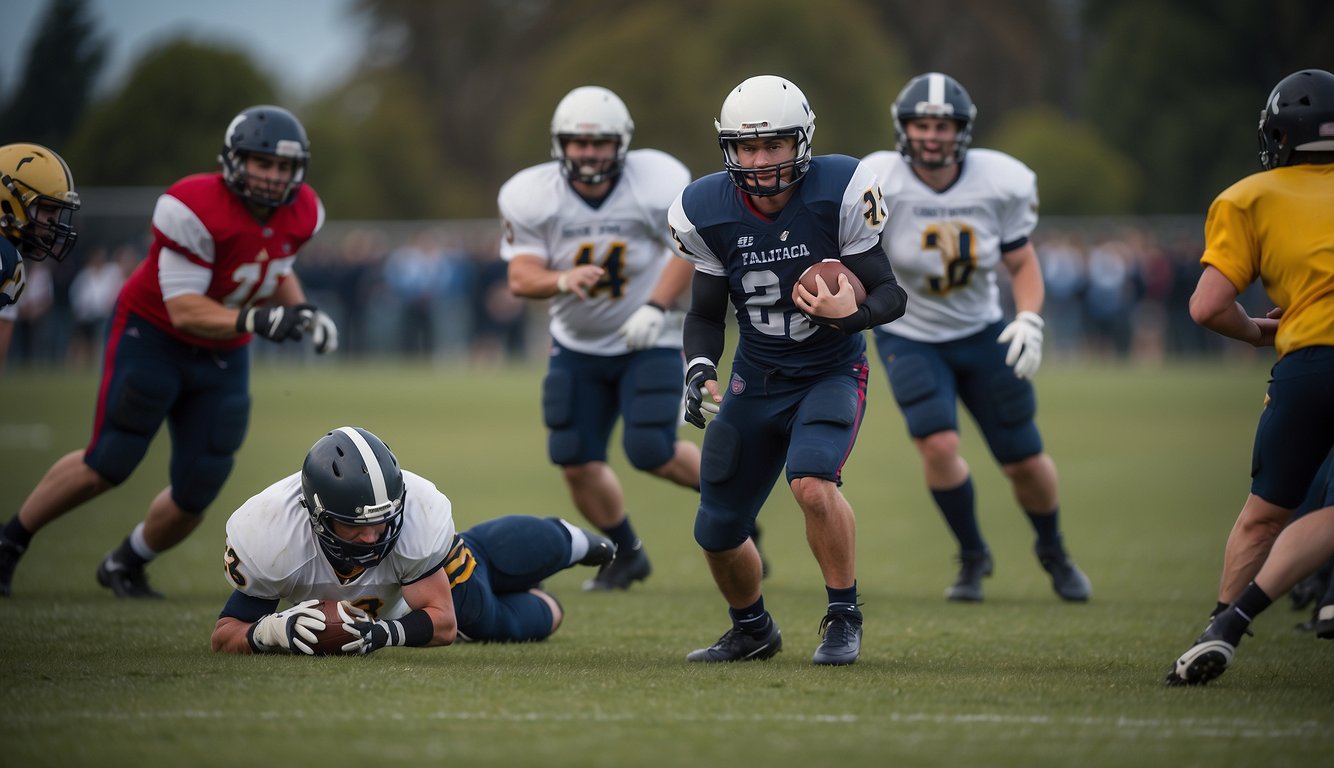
370 635
1024 336
642 329
291 631
321 328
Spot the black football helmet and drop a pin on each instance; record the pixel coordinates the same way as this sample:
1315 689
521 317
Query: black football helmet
1297 117
934 95
264 130
350 476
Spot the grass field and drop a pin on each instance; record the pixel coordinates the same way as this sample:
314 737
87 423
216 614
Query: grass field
1154 466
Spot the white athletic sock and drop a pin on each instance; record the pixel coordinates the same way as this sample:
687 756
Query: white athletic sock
138 544
578 543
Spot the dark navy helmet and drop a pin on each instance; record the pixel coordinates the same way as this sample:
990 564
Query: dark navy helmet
350 476
264 130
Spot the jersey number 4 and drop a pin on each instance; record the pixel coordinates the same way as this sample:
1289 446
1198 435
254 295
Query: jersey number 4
613 269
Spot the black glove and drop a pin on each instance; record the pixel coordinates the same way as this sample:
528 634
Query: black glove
696 394
273 323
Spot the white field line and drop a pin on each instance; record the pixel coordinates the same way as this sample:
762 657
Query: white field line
1161 728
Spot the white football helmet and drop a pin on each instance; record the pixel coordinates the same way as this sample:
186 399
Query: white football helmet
591 110
763 106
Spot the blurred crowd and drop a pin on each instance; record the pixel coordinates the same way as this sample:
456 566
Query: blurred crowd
1117 289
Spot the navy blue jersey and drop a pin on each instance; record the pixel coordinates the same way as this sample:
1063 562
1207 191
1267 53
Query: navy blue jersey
720 232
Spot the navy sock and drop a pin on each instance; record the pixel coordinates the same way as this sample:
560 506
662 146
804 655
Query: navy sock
752 619
958 506
16 534
1048 529
622 535
1232 623
1219 608
846 596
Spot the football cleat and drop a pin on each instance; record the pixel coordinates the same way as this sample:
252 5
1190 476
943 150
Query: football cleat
600 550
9 560
739 645
1324 622
125 582
1307 591
973 567
1066 579
629 566
1208 658
842 631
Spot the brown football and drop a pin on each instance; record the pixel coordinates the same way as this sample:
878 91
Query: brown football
830 269
330 640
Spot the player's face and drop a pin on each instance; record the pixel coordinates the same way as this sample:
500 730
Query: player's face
932 140
268 175
765 153
591 154
359 534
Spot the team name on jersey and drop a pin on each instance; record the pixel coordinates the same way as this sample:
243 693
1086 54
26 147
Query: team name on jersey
938 212
587 230
798 251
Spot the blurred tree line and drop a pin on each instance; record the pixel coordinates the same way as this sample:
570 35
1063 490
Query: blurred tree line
1125 106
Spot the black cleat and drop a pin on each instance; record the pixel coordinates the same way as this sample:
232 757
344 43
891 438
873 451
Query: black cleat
1066 579
125 582
1307 591
973 567
600 550
1324 622
738 645
1208 658
842 630
629 565
9 560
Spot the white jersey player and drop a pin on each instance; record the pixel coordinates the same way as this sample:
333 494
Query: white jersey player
589 232
355 528
946 245
957 215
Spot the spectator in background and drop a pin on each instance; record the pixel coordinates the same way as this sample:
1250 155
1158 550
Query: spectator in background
413 273
92 299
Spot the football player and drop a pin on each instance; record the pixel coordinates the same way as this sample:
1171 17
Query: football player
587 230
219 271
797 390
1274 226
37 205
956 216
353 526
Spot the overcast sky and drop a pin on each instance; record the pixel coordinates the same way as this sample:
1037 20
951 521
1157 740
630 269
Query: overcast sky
304 44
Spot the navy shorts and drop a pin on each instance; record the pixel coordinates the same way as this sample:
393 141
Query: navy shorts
514 554
149 377
766 423
929 379
1296 428
584 395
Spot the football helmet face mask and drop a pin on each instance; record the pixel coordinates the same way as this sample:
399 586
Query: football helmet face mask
591 111
934 95
37 201
761 107
264 130
1298 116
351 477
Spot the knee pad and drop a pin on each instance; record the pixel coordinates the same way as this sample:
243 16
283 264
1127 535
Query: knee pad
650 421
131 421
199 481
558 416
715 532
719 457
913 383
1013 398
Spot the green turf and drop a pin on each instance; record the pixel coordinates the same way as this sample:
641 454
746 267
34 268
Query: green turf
1153 463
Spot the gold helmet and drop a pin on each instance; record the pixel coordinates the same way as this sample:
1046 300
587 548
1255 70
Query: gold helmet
37 201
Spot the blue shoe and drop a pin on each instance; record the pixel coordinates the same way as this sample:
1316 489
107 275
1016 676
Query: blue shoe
842 630
738 645
1066 579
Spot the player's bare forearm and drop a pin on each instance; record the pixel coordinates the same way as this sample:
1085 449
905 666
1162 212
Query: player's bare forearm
1030 292
673 283
432 594
198 315
229 636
